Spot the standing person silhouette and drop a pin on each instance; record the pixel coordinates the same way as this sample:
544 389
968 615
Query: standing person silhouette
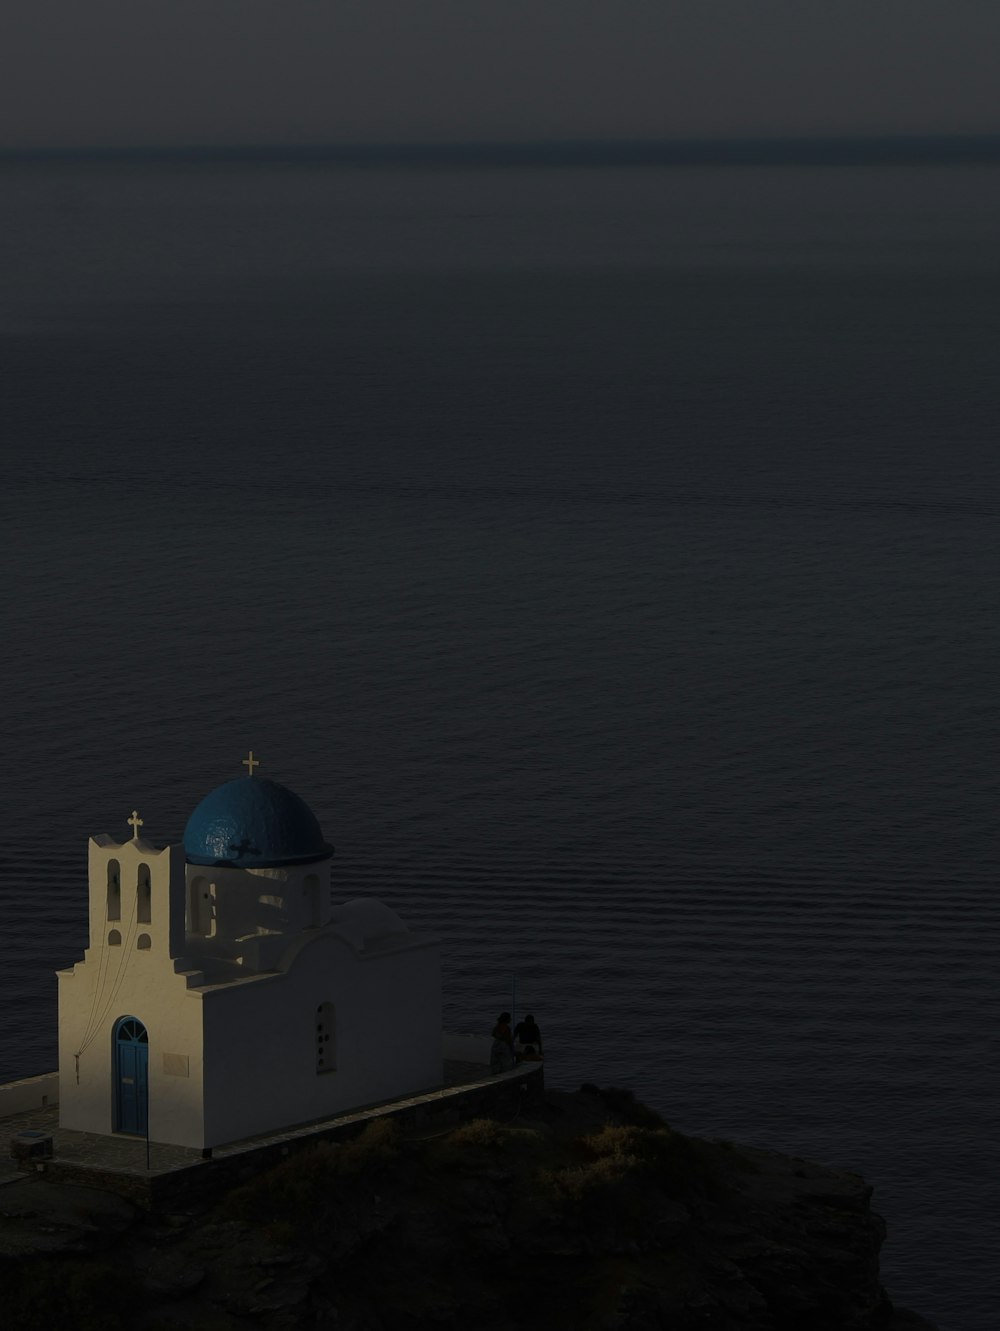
526 1032
502 1050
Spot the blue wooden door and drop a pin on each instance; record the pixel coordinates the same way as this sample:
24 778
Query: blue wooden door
131 1060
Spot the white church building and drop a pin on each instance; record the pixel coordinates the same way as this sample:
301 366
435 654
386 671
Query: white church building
225 993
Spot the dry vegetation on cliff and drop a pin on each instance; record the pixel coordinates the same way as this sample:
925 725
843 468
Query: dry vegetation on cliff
594 1215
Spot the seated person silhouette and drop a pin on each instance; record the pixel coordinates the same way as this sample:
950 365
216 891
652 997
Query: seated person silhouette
526 1032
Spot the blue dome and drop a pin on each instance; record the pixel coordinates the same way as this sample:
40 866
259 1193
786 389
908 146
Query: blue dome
252 823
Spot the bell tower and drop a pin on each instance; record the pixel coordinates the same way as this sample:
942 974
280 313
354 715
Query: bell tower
136 895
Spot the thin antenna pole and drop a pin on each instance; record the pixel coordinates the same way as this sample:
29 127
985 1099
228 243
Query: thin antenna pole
513 999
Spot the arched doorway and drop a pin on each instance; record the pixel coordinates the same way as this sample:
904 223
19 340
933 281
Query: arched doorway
131 1080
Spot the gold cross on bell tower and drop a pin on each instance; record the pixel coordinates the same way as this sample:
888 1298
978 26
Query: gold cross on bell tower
135 822
250 762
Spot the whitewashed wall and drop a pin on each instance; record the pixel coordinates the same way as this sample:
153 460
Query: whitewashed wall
260 1036
16 1097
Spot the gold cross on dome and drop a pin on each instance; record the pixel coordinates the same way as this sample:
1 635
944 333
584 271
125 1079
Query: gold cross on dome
250 762
135 822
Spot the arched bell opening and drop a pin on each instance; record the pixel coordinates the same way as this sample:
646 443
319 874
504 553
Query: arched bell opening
114 890
144 895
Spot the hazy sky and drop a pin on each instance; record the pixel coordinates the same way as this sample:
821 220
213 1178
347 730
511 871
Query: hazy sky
267 71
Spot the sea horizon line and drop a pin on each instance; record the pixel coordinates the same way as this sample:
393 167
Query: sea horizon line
813 150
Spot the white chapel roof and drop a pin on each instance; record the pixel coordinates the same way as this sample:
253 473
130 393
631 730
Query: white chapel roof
366 920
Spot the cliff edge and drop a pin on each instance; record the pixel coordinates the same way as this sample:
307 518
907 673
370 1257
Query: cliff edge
592 1214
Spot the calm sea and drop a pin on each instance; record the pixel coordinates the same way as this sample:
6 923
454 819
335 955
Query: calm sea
609 556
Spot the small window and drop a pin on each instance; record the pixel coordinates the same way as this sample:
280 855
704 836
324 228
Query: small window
144 942
114 890
114 938
145 890
326 1044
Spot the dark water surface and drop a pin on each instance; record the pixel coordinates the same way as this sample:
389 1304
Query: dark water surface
608 556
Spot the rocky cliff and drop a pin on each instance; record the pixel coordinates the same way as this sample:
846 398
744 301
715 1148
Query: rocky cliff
591 1215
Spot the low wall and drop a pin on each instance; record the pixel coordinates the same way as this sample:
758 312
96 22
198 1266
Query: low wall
18 1097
